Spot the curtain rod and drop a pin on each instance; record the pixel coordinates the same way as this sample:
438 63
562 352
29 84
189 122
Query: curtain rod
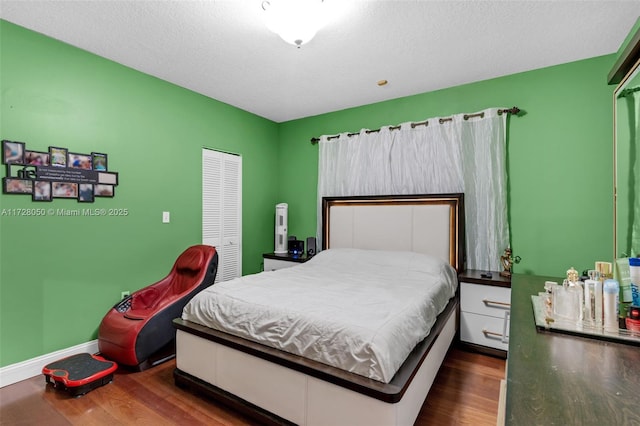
514 110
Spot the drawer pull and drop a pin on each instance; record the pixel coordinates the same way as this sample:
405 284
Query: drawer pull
505 327
493 302
491 333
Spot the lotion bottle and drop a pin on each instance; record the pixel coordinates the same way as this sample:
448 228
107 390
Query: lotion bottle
611 293
634 275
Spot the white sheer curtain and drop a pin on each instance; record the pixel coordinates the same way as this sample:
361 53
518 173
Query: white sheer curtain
454 155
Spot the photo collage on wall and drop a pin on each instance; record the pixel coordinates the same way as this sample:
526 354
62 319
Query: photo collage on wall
56 173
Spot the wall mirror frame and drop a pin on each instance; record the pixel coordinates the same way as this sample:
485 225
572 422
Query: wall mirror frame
626 144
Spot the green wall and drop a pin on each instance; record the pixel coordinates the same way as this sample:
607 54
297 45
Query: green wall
59 275
559 158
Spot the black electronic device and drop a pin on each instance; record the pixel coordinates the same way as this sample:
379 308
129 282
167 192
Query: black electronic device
296 248
311 246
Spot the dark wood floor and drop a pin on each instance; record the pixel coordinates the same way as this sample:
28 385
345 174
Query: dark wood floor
465 391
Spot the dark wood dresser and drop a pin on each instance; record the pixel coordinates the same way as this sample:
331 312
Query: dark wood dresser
558 379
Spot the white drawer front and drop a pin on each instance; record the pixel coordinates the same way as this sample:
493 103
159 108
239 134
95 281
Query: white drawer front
275 264
484 330
485 299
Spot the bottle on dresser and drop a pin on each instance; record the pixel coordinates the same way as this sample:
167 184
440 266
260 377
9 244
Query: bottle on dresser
593 299
633 319
611 297
634 275
568 299
605 271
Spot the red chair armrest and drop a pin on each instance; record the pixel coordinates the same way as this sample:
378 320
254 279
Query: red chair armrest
139 314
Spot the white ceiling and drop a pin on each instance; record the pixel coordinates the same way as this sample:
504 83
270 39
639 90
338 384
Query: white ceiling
222 49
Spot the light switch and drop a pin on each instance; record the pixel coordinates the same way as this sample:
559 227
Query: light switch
165 217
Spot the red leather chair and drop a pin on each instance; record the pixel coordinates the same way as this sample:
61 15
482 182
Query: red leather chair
138 331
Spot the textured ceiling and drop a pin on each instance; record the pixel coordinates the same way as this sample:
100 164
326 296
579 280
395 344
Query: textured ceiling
222 49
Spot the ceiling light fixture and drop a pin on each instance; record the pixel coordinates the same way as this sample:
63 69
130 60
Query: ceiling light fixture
295 21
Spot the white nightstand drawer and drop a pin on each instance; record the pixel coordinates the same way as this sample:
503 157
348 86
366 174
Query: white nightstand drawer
485 299
275 264
484 330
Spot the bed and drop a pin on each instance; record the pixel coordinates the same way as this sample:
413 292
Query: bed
294 382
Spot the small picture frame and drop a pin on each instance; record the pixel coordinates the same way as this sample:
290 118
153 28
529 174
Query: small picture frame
17 186
12 152
99 161
85 193
110 178
58 156
41 190
101 190
36 158
80 161
64 190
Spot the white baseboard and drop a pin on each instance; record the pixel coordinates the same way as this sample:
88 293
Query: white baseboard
33 367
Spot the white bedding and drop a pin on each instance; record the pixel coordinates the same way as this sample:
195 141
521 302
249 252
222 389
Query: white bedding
359 310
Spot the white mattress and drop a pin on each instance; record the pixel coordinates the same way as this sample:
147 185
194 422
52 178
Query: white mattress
359 310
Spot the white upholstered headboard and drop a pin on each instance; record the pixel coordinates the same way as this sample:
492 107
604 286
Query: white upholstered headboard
431 224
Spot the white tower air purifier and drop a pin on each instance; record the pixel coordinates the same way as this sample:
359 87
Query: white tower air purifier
281 229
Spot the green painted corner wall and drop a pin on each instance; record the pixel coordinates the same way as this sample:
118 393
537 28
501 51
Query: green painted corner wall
59 274
560 156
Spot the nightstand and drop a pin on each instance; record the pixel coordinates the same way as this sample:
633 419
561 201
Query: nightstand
485 307
273 262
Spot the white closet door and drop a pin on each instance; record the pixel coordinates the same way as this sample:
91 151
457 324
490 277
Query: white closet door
222 210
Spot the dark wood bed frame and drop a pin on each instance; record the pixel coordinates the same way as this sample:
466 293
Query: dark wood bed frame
391 392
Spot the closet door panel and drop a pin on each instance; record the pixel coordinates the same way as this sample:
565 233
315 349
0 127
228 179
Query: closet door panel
222 210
